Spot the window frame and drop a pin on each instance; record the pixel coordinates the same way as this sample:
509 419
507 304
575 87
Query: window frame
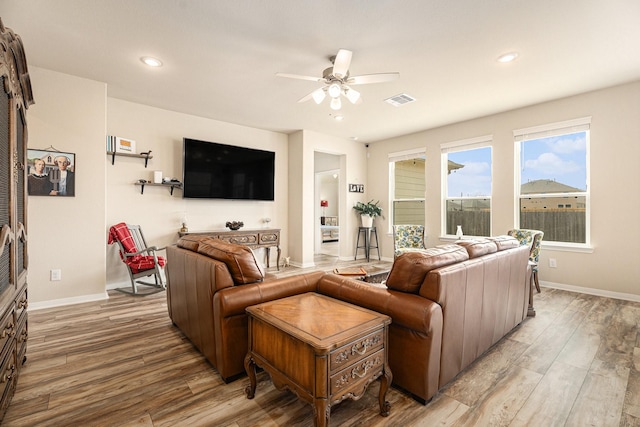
418 153
457 146
566 127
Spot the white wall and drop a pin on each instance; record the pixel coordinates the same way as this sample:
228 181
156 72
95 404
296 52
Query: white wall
156 210
68 233
613 266
303 221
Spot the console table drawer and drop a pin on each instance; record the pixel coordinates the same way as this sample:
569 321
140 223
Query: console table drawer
270 238
357 350
240 239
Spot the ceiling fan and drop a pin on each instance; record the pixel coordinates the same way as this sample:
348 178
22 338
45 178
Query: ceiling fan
337 81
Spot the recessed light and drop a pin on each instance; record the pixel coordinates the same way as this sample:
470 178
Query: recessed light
339 118
151 62
508 57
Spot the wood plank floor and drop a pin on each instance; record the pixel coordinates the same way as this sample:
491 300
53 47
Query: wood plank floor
122 363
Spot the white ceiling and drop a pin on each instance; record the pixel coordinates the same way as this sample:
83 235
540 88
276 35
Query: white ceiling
220 57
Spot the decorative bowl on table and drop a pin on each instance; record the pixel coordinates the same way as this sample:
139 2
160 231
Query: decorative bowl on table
234 225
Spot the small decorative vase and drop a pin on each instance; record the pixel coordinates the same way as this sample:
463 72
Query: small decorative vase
459 232
367 221
184 228
234 225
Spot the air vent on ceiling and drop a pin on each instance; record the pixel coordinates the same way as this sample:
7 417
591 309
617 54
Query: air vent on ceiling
400 99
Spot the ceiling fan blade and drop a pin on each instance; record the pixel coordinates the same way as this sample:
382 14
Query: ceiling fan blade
341 63
299 77
372 78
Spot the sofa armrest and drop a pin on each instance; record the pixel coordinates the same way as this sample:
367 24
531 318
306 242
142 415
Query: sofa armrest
233 301
408 310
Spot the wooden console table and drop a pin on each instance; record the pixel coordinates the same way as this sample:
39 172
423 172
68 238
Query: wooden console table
322 349
266 238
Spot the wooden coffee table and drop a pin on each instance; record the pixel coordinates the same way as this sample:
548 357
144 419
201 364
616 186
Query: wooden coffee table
322 349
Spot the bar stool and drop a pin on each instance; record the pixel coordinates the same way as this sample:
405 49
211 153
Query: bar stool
367 232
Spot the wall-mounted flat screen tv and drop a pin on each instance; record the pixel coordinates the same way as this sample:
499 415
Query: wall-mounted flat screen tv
219 171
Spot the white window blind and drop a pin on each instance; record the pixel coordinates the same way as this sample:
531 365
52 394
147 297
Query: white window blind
553 129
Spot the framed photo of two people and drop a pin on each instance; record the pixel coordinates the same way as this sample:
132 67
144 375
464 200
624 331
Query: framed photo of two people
51 173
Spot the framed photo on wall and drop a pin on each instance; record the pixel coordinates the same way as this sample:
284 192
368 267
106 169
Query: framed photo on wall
51 173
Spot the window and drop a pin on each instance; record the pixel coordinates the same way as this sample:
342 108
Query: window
466 170
407 187
553 172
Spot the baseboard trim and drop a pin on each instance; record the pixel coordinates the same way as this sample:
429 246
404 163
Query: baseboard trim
118 285
67 301
301 265
591 291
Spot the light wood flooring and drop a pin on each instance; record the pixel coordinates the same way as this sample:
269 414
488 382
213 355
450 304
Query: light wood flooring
121 362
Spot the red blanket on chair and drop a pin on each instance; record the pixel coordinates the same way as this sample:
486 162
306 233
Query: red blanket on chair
137 263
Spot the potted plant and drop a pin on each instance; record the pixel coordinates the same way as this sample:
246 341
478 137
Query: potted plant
368 211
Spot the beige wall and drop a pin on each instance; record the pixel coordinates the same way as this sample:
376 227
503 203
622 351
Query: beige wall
303 218
68 233
156 210
612 266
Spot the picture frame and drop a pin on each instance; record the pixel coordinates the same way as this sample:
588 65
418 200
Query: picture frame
125 145
356 188
51 173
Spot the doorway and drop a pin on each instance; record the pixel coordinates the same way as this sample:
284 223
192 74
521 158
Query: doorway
327 198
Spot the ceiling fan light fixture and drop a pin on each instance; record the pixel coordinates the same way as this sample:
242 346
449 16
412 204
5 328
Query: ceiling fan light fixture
318 96
334 90
352 95
336 104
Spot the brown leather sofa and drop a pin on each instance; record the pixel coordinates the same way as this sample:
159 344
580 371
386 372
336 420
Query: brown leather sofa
448 304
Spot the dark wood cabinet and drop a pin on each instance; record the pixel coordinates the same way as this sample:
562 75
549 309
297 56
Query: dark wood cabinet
15 98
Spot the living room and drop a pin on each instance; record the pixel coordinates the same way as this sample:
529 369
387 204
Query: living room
74 113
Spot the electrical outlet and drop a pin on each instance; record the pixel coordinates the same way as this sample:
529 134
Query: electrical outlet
56 275
552 263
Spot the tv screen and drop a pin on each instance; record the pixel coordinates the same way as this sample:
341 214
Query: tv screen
219 171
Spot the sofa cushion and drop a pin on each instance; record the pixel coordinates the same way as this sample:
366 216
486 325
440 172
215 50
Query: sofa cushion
478 247
505 242
410 268
191 242
239 259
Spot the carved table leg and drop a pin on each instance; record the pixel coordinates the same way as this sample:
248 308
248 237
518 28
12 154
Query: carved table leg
250 367
385 382
322 411
278 258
